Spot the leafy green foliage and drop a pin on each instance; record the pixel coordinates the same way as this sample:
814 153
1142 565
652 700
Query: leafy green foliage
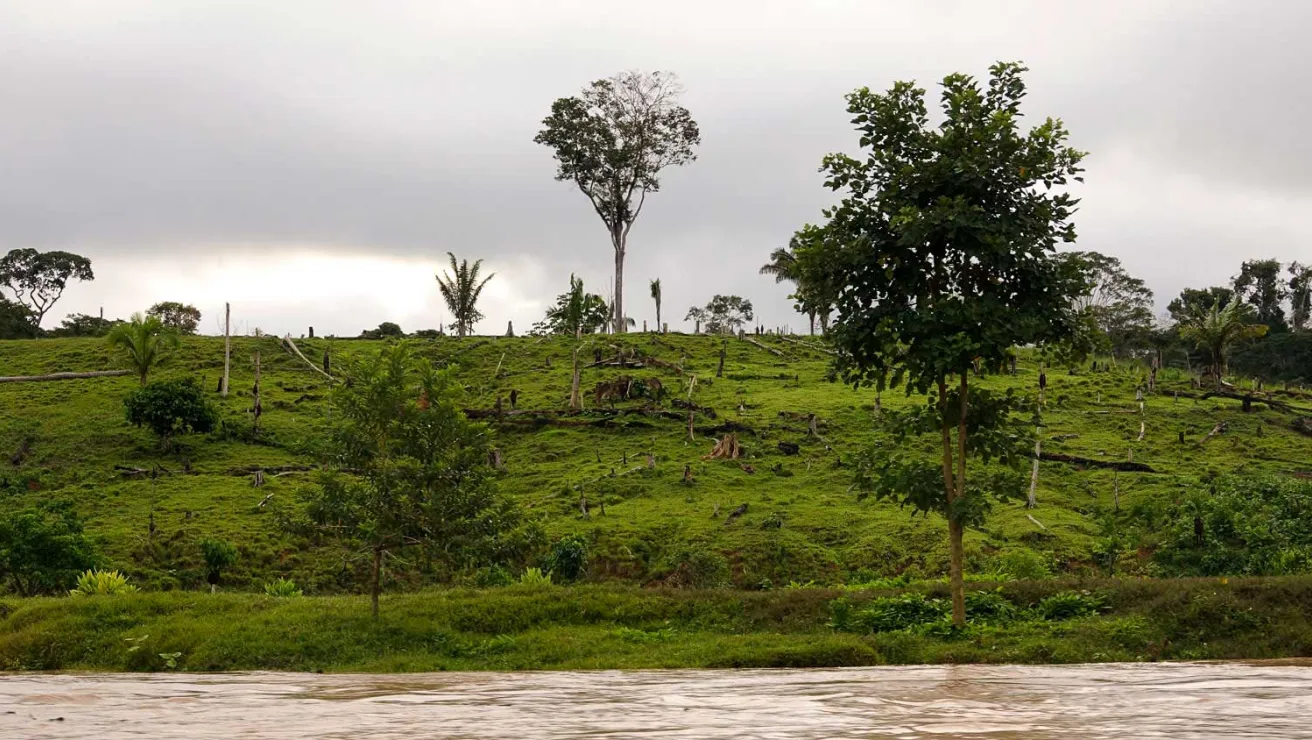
575 313
534 578
1070 605
1118 304
612 141
85 325
170 408
460 290
143 342
179 317
1251 525
218 555
569 558
385 330
102 583
409 470
42 549
724 314
37 279
695 567
16 321
283 588
1259 285
1216 331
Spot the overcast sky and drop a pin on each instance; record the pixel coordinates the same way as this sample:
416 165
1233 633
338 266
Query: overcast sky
312 162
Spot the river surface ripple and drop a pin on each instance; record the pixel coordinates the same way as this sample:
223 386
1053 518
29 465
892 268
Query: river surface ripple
1180 700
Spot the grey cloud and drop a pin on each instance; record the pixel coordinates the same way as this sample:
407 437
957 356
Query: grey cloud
132 129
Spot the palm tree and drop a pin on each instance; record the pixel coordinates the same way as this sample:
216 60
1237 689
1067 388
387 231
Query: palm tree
1217 329
144 340
461 291
783 265
656 296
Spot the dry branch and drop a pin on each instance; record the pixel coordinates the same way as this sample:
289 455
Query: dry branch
290 346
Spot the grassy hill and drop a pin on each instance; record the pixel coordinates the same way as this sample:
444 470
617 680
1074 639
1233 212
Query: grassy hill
802 522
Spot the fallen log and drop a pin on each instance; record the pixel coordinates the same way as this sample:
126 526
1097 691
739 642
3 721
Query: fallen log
64 376
290 346
757 344
807 345
1124 465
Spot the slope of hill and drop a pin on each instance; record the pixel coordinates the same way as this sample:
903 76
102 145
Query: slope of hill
802 521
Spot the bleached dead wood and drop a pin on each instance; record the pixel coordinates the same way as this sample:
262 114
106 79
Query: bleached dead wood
291 347
63 376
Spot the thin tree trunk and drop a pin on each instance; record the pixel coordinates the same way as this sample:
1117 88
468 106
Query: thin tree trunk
618 240
1032 501
811 317
658 315
374 585
227 345
955 530
63 376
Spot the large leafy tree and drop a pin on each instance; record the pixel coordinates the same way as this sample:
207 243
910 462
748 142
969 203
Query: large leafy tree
180 317
1119 304
85 325
171 408
1217 330
144 342
461 289
944 250
408 471
724 314
42 549
612 140
37 279
1300 296
16 321
1259 285
575 313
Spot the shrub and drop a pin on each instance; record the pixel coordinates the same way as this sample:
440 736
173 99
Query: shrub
1022 565
990 607
1069 605
102 583
569 558
534 577
170 408
283 588
218 555
43 549
892 613
697 568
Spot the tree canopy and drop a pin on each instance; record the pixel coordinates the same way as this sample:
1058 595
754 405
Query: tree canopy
724 314
1119 305
37 279
180 317
612 140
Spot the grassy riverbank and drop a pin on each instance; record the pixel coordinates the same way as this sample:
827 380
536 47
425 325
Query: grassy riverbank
623 627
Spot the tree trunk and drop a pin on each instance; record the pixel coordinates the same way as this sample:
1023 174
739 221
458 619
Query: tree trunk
374 585
227 345
658 314
955 532
63 376
811 316
1032 501
957 580
618 240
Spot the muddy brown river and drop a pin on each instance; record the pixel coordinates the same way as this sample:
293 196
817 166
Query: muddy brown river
1182 700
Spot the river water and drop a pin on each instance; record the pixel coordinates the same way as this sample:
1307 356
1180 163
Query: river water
1180 700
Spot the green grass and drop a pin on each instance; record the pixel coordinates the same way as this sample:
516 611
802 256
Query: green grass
600 626
78 436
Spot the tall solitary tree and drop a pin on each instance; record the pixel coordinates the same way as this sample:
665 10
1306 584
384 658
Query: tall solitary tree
1118 304
38 279
944 250
784 268
460 289
576 313
724 314
144 341
656 296
612 140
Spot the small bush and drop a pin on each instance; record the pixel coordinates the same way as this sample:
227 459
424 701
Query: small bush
534 577
170 408
102 583
697 568
893 613
1022 565
569 559
990 607
493 576
1069 605
218 555
283 588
